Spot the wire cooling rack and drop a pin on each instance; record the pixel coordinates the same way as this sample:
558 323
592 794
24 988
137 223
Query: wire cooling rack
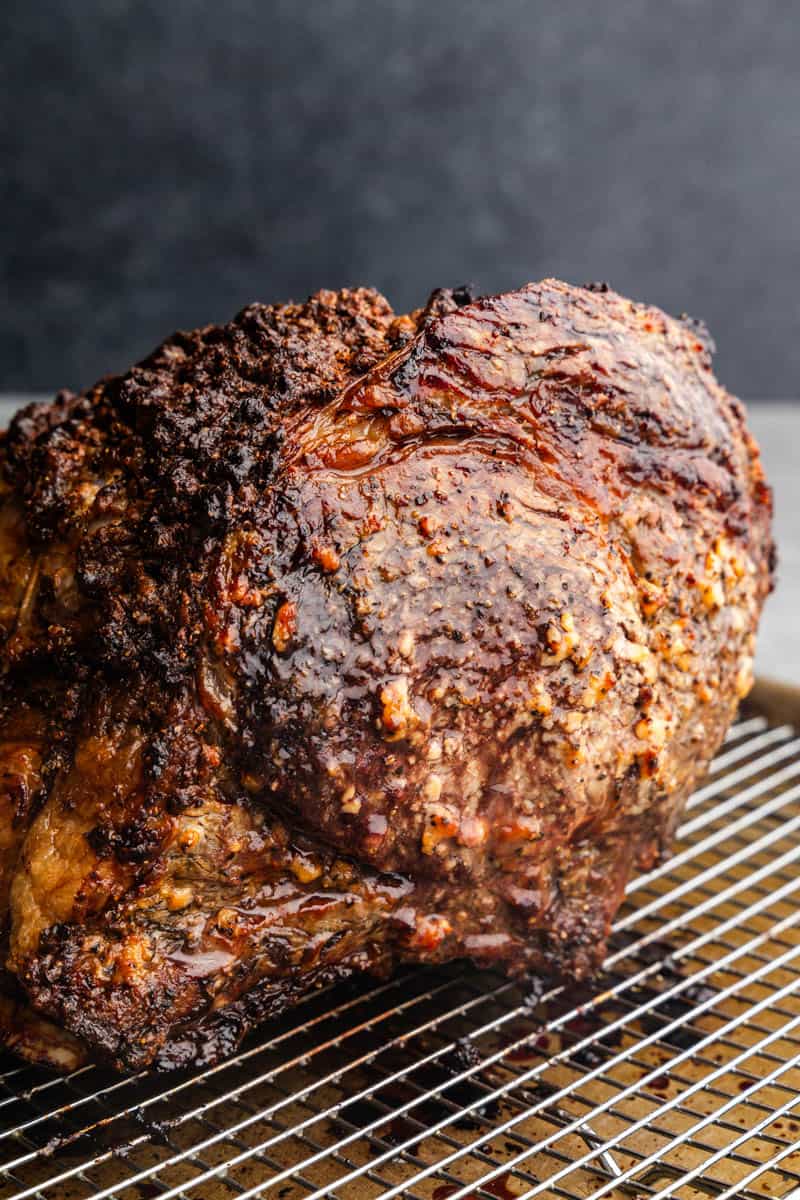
676 1075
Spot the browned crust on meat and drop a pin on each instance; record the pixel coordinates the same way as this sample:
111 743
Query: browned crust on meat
361 639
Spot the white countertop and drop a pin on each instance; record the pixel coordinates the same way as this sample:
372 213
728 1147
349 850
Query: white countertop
777 428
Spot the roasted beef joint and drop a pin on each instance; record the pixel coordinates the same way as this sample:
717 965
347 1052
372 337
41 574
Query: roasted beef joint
334 640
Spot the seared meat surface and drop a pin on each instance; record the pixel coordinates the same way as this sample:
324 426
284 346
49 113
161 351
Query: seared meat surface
334 639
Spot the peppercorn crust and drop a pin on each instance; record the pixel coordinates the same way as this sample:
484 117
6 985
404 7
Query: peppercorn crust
334 639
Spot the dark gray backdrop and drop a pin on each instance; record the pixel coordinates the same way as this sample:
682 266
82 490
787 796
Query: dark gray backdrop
165 161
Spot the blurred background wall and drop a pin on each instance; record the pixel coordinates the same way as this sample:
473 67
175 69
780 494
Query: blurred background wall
165 161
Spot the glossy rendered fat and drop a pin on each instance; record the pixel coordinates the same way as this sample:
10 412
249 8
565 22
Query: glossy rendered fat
334 639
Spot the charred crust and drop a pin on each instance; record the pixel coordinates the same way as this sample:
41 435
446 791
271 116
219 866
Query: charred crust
134 842
334 639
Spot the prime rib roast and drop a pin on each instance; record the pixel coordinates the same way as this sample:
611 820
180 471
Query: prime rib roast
334 640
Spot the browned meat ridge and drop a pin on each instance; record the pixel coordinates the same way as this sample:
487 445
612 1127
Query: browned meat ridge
334 639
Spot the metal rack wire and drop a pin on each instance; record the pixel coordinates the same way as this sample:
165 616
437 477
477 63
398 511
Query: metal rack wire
676 1075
